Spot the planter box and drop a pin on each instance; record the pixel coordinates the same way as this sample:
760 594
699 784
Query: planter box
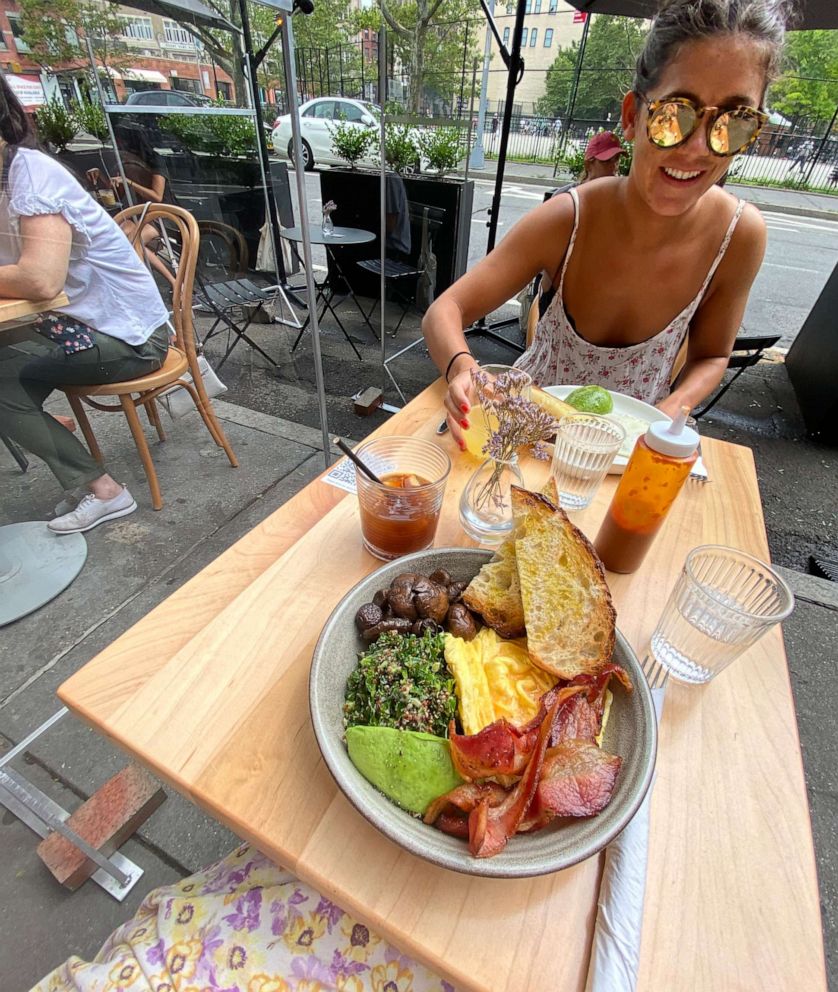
357 195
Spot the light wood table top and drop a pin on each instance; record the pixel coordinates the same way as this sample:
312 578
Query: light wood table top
210 690
16 309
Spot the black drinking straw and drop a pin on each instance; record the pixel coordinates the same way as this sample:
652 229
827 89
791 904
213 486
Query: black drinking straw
350 454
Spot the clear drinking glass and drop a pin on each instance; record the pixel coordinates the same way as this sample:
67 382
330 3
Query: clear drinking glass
400 514
481 424
723 602
583 452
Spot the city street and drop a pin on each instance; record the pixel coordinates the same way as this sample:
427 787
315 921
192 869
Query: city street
801 253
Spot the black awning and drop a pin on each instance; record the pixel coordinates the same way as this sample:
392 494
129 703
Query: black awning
185 11
816 14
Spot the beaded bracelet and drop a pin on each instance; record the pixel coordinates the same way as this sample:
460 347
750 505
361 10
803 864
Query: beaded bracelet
454 359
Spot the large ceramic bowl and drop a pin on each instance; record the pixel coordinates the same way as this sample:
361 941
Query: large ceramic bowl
631 732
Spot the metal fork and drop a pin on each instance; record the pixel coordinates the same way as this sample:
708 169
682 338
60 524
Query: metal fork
656 673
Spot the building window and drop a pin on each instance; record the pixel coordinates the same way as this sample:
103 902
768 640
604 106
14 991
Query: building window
524 39
510 8
554 6
3 46
548 38
528 8
506 36
17 33
538 6
176 36
533 37
137 28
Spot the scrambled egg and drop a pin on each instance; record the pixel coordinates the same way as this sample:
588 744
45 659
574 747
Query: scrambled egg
495 678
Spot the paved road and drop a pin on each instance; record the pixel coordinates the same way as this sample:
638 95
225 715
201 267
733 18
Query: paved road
800 256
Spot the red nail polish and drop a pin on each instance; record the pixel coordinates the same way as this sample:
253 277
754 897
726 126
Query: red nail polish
462 446
464 407
464 424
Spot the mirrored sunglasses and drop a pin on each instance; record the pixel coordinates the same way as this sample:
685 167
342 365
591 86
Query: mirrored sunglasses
670 123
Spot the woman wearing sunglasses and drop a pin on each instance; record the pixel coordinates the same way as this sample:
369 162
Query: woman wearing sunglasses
636 263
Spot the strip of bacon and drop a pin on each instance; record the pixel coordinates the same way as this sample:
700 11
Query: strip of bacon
489 828
501 748
464 798
577 720
577 779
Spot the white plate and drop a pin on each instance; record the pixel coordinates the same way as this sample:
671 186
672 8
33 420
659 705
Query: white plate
626 406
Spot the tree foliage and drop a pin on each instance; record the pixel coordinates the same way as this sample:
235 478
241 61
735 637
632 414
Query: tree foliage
607 69
429 41
54 30
808 86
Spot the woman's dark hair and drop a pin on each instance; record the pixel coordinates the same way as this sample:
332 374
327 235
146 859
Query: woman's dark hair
680 21
15 126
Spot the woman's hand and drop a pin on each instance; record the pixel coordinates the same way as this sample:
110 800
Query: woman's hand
458 401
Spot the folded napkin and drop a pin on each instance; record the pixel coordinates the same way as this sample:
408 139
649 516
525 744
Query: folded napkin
615 955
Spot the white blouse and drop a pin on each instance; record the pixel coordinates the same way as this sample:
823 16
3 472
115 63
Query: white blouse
108 286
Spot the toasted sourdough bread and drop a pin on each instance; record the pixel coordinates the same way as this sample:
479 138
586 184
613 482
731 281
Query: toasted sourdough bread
495 593
569 616
552 404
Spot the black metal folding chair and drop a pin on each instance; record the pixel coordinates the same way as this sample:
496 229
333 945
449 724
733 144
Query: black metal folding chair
747 351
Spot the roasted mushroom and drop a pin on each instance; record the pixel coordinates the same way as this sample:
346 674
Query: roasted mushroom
460 622
455 591
431 599
441 576
421 626
399 624
368 616
400 595
380 598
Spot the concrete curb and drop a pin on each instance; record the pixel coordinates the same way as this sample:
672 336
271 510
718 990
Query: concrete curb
810 588
548 182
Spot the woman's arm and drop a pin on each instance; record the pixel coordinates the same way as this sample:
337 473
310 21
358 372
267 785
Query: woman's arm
717 321
41 271
536 242
150 194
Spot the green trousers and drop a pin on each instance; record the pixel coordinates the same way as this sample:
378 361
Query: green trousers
31 370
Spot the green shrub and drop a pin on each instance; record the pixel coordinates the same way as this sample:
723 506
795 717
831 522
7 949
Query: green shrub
56 125
350 142
442 147
91 118
215 134
400 151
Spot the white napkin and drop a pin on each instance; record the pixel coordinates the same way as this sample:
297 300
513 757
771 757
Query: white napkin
615 955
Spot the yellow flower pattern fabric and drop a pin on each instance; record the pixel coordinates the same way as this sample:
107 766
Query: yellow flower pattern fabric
243 925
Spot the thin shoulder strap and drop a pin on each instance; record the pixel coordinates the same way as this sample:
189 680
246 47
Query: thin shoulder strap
575 197
723 246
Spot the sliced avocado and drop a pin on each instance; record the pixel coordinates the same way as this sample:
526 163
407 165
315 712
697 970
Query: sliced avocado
409 767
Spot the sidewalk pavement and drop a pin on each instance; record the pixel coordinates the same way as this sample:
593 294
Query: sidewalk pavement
783 201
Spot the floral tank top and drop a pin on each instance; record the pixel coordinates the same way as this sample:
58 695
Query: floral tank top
559 354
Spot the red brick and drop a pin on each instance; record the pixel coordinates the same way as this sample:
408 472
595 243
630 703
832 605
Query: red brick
105 821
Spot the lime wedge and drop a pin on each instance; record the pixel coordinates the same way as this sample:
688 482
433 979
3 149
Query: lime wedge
591 399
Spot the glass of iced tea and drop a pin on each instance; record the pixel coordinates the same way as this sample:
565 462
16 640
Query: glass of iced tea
400 514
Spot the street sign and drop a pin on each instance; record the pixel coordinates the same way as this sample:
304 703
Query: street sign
28 90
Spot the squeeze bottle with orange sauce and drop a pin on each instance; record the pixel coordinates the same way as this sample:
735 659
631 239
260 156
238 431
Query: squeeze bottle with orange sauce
658 467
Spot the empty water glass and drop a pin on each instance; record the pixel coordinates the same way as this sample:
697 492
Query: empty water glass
723 602
584 450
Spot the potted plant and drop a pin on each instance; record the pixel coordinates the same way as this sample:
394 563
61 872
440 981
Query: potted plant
56 125
400 148
442 147
351 142
90 117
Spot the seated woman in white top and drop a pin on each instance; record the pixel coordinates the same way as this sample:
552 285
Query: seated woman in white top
55 238
638 261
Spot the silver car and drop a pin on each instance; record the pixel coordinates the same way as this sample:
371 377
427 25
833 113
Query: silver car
317 118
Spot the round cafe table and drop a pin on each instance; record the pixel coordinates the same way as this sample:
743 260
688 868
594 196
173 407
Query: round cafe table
339 237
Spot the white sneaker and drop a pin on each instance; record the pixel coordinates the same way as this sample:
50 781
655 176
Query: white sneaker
71 500
92 511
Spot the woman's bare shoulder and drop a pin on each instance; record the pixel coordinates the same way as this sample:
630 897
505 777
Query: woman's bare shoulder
545 231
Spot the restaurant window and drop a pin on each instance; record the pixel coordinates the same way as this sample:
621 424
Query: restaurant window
548 38
533 37
17 33
524 39
137 28
176 36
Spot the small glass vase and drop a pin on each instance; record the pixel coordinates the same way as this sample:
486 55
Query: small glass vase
327 226
486 502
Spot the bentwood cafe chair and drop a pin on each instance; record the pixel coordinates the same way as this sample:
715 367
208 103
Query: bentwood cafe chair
176 227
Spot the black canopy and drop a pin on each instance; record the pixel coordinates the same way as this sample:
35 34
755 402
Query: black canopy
185 11
815 13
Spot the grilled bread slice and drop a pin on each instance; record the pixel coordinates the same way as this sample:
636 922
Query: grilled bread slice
568 613
551 404
495 593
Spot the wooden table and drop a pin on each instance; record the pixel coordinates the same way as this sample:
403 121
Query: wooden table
210 690
14 312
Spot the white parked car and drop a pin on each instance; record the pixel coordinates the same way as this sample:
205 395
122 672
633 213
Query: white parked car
317 117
